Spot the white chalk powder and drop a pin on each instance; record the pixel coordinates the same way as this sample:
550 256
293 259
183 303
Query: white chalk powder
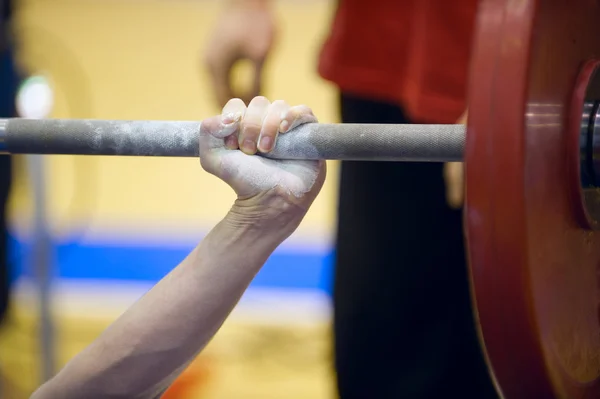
255 172
295 177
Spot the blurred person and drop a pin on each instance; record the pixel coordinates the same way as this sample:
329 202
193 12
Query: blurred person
145 349
9 80
403 320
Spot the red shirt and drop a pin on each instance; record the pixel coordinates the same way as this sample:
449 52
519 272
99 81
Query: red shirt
411 52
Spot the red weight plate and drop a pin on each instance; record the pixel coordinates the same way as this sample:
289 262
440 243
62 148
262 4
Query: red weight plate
534 267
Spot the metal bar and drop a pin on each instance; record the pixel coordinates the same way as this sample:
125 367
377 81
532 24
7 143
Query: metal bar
347 142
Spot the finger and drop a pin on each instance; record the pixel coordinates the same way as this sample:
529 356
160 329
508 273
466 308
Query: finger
248 86
207 142
211 147
463 118
270 126
454 178
256 88
220 76
252 123
231 117
231 142
297 116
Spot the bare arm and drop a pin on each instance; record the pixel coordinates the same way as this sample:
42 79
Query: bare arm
155 339
141 353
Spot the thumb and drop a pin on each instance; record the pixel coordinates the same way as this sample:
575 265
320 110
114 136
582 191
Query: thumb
214 138
454 177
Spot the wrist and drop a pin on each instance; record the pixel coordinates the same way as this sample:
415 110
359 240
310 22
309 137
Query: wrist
244 239
267 212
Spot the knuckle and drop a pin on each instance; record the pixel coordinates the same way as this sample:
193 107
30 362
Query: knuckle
305 110
297 112
250 129
269 130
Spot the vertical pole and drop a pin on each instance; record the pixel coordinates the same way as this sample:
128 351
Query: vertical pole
35 101
42 261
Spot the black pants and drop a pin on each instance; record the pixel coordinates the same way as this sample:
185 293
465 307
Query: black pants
403 321
8 88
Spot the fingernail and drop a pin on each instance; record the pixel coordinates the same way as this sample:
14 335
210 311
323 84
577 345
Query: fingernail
284 126
249 146
226 130
266 143
230 117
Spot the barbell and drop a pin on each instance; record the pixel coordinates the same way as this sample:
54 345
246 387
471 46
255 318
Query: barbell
311 141
532 206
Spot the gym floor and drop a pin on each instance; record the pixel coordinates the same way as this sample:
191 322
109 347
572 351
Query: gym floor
126 59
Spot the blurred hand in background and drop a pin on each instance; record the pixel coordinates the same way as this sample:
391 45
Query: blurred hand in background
454 175
245 31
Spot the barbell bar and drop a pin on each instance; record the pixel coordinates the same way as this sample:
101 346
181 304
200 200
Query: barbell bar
312 141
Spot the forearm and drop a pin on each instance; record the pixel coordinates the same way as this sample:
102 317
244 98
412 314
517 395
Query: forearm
143 351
